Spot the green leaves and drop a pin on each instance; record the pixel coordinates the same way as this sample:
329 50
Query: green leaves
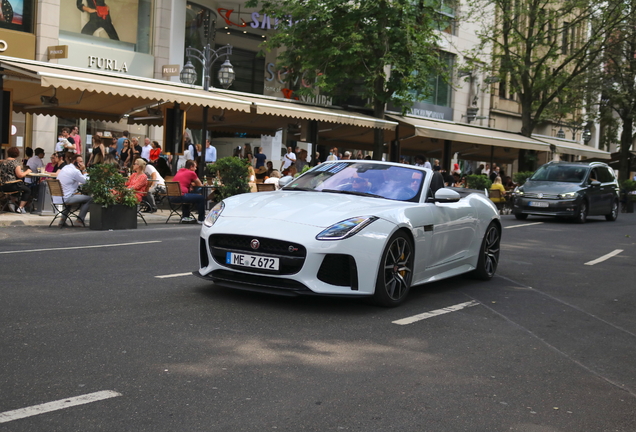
108 187
233 175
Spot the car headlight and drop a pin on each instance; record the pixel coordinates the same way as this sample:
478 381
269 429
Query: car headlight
214 214
345 228
568 195
518 191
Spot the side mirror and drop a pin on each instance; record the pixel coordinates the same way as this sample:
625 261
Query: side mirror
285 181
595 183
444 195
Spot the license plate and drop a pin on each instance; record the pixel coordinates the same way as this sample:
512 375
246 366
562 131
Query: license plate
252 261
538 204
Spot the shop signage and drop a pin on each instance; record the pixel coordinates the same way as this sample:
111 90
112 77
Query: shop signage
3 45
57 52
170 70
106 64
258 21
16 43
421 109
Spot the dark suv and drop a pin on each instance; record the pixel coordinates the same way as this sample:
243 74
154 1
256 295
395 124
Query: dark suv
571 189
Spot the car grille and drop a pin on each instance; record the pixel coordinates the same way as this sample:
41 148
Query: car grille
339 270
257 282
291 255
544 196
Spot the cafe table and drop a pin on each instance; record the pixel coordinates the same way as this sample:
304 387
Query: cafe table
42 205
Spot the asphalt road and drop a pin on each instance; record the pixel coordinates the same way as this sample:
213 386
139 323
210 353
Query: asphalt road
548 345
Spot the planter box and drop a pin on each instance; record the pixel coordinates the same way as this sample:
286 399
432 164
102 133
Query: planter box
113 217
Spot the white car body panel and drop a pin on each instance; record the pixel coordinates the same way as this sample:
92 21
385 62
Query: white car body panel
447 237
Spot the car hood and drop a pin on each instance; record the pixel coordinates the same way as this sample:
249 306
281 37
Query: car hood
321 209
550 187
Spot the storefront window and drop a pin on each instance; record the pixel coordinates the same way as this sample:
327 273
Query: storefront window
17 15
441 91
126 24
248 67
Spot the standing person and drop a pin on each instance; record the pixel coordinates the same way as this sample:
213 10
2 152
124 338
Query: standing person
125 156
301 161
99 151
65 142
479 169
210 152
419 160
145 150
332 155
494 173
71 177
486 171
98 17
78 140
347 156
155 152
135 145
315 160
10 175
120 142
192 149
187 177
288 160
261 158
112 148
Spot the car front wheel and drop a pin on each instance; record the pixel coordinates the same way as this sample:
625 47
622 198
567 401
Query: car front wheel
396 271
581 216
488 253
614 213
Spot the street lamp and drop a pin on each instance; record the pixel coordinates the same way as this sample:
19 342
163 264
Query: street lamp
587 136
561 133
226 76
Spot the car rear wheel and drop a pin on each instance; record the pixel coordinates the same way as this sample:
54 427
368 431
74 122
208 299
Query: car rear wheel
396 271
488 253
521 216
614 213
581 216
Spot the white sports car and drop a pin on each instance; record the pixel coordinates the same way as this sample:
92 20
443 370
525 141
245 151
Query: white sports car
351 228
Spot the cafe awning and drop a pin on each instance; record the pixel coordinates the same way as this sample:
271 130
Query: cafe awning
574 148
51 89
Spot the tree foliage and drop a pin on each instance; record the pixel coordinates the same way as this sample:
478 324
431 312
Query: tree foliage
374 49
233 174
543 49
107 186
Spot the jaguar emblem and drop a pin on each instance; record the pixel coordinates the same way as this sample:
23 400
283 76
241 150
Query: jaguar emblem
255 244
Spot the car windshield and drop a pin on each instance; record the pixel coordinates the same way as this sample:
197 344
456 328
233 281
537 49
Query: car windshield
365 179
560 173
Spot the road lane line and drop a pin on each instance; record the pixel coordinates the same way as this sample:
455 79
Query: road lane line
8 416
523 225
80 247
425 315
174 275
604 257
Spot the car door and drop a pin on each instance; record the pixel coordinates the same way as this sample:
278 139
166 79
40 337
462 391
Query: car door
608 189
594 193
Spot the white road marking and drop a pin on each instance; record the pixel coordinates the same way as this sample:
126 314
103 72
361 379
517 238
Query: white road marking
8 416
425 315
523 225
174 275
604 257
80 247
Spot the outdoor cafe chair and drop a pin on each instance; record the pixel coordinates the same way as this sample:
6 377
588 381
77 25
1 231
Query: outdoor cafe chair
5 197
62 210
173 190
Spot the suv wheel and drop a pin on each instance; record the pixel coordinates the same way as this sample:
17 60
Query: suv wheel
614 213
581 216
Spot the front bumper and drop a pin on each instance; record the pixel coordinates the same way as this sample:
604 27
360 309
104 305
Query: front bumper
551 207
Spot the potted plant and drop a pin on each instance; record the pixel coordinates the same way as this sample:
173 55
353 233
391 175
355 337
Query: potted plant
628 195
233 176
114 206
478 182
521 177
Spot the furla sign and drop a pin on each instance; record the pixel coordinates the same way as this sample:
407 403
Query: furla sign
107 64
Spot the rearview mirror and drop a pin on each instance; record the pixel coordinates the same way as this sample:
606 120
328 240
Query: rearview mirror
446 195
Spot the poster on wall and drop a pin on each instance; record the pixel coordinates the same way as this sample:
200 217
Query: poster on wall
109 19
16 15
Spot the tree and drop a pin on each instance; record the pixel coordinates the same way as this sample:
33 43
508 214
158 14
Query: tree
375 49
543 50
618 84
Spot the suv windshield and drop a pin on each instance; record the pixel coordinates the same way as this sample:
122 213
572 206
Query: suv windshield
560 173
366 179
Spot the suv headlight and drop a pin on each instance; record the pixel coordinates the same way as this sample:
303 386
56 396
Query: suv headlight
345 228
568 195
518 190
214 214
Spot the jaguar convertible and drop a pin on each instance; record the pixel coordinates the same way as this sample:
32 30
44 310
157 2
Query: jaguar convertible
351 228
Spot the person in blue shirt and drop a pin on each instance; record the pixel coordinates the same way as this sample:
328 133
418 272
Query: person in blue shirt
210 152
260 158
120 142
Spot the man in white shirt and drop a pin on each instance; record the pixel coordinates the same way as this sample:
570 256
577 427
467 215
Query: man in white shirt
288 160
35 162
145 150
71 177
158 184
210 152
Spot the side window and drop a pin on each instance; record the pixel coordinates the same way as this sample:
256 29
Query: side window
593 176
606 175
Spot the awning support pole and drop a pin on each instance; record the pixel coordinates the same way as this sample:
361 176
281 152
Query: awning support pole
446 157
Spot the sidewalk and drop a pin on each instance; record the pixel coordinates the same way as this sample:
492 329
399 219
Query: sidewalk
17 219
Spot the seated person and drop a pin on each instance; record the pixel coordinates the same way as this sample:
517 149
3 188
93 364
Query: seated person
187 177
11 178
71 177
275 177
497 185
138 179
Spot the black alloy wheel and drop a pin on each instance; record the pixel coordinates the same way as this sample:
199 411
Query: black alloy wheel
581 216
488 253
614 213
396 271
